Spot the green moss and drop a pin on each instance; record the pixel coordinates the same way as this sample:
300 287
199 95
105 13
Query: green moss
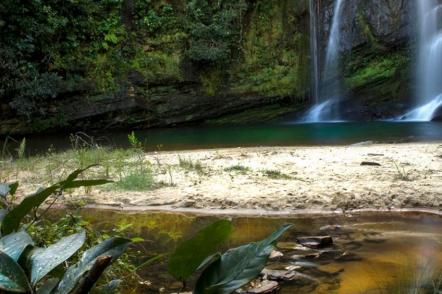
275 49
377 68
254 115
211 82
157 65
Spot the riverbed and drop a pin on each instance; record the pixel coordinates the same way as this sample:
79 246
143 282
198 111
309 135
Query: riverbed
371 252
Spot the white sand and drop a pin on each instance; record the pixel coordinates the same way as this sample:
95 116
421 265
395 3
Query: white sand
320 178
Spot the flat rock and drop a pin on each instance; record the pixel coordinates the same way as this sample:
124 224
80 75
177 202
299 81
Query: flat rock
265 286
315 242
278 275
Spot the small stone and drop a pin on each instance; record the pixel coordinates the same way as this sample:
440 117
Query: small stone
264 287
276 254
278 275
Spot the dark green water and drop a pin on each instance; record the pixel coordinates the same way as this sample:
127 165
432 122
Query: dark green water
185 138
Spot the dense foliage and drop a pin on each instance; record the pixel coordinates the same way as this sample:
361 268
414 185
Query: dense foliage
53 51
26 267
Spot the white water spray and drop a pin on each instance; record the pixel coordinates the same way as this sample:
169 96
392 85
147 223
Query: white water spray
327 102
429 70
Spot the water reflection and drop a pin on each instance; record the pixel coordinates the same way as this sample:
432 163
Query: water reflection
384 253
260 135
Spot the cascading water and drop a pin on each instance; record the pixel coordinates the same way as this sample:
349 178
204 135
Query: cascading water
326 106
429 70
314 50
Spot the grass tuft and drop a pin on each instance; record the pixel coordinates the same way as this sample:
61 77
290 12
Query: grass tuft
276 175
238 169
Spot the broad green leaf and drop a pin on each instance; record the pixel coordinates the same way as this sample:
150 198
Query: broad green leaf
43 260
13 187
48 286
12 276
113 247
15 243
191 253
12 220
6 189
237 266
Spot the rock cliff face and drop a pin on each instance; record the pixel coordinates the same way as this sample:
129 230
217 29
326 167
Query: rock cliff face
366 21
266 72
377 39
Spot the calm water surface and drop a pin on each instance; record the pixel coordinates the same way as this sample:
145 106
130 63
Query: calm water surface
393 253
185 138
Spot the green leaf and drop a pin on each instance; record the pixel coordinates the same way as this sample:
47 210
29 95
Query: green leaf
14 244
6 189
237 266
86 183
3 213
13 187
12 220
113 247
191 253
43 260
48 286
12 276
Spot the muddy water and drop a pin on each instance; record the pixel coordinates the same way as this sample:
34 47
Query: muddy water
384 252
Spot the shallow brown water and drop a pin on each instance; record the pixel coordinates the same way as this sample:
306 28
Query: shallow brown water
395 252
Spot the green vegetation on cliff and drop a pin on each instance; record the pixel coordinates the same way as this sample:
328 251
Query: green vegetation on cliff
55 51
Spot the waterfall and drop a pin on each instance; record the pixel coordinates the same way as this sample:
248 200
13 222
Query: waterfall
326 106
429 60
314 53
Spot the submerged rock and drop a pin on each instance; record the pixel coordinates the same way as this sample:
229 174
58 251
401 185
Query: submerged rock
265 286
286 275
315 242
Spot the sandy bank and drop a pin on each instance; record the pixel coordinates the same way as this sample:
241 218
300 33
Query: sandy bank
293 178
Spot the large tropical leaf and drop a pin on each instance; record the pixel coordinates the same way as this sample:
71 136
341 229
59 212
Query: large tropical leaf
41 261
113 247
12 277
12 220
15 243
191 253
237 266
